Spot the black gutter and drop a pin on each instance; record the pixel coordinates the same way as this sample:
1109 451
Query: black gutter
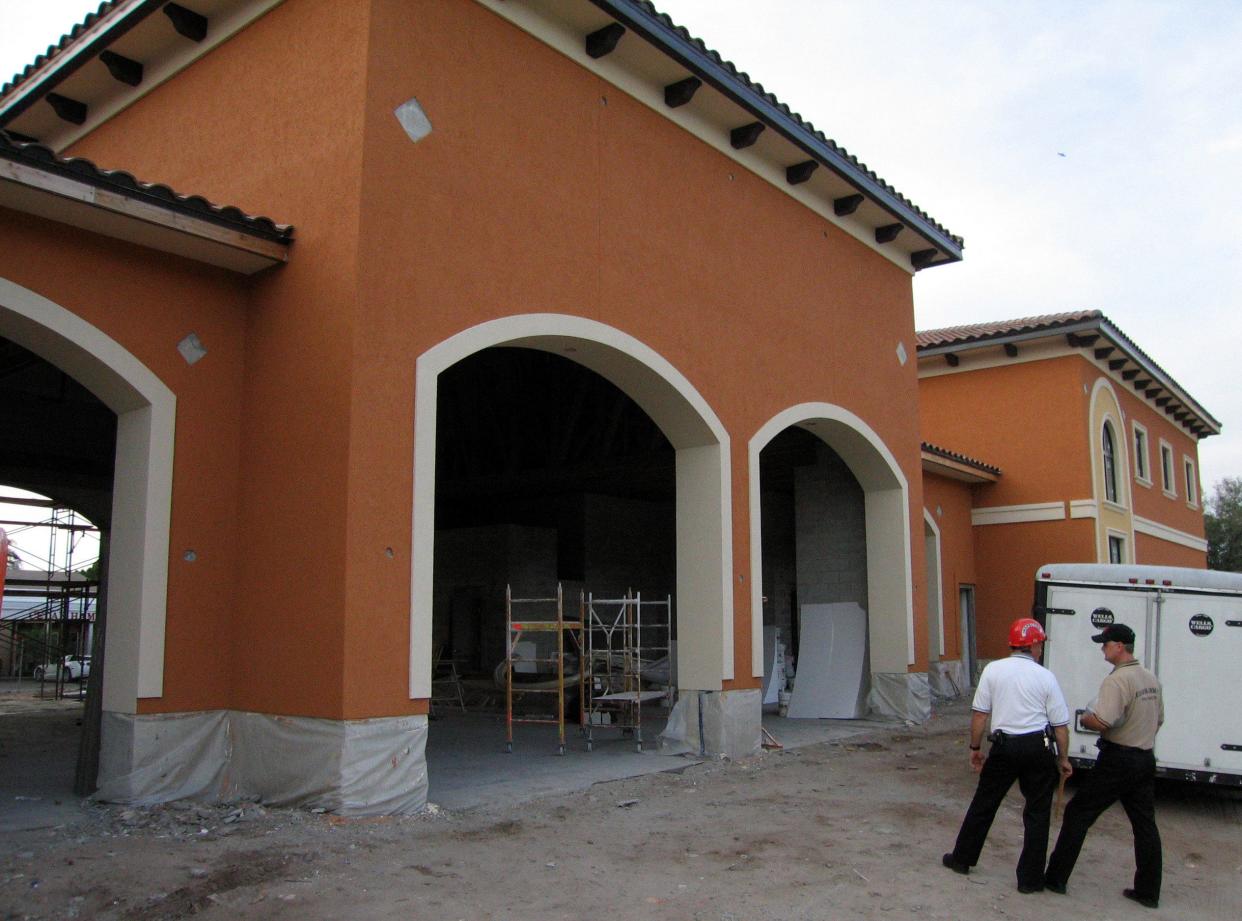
81 56
641 17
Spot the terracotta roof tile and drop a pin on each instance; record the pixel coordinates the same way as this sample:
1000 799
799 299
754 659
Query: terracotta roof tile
54 51
978 332
972 333
154 193
960 458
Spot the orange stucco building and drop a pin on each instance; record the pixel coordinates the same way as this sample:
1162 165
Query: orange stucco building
1097 450
570 301
483 192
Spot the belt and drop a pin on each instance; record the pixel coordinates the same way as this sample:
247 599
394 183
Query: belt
1000 735
1103 744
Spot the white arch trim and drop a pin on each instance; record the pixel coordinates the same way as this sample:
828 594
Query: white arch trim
887 510
937 562
704 601
142 493
1099 411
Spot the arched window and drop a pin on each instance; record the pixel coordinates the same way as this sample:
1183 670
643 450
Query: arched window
1110 464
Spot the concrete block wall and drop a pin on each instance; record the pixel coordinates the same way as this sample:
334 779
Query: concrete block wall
780 580
830 529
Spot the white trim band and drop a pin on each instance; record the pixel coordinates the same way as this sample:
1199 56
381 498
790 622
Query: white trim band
1172 535
1018 514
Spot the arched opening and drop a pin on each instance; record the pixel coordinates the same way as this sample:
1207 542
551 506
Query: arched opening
830 534
106 450
554 451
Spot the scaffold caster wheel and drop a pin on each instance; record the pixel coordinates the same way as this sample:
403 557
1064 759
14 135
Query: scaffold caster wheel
509 747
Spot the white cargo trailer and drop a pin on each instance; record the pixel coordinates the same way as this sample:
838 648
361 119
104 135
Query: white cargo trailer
1187 625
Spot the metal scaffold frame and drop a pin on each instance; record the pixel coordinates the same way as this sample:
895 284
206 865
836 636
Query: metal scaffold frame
67 611
514 630
628 642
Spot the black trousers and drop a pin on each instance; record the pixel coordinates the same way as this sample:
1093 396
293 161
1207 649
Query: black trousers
1027 760
1126 774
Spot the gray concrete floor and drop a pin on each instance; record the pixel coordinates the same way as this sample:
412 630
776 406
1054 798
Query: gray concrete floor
38 758
468 765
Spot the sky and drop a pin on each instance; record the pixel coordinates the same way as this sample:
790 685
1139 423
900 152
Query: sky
1090 153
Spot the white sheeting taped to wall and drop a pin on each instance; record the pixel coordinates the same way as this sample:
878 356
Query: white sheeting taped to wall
356 767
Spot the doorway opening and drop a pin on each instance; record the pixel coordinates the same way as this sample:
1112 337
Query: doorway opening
815 574
583 464
56 502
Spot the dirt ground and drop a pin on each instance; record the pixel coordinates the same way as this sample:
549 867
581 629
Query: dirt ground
850 829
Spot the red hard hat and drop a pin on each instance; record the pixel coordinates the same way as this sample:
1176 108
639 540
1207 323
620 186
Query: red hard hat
1024 631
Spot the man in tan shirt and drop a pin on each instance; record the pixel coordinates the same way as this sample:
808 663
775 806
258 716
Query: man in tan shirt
1127 713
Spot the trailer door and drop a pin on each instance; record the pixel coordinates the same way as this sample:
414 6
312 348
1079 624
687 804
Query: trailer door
1074 614
1197 661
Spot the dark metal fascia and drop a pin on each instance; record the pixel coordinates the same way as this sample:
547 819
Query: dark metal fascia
665 37
75 60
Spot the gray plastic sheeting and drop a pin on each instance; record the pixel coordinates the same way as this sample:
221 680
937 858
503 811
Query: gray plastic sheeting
353 768
900 696
731 723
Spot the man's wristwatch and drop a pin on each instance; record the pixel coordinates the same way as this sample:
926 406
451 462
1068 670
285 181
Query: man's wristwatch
975 748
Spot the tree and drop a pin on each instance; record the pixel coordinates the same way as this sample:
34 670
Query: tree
1223 522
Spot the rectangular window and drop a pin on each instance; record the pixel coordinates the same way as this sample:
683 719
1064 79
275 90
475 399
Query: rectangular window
1116 549
1192 482
1167 482
1142 467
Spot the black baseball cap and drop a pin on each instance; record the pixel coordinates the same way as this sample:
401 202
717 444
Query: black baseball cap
1115 633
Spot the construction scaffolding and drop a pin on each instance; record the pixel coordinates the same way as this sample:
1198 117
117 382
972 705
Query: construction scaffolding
543 669
47 615
628 662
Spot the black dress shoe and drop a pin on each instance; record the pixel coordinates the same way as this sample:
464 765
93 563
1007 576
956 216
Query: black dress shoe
954 865
1145 900
1058 888
1027 890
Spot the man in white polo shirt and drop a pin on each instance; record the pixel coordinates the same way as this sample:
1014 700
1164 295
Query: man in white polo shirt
1026 708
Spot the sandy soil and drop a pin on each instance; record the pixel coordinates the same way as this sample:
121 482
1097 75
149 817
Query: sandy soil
851 829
